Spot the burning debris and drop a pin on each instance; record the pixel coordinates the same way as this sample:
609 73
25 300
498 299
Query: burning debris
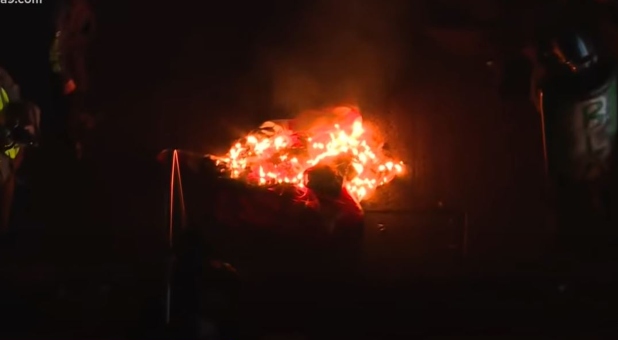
323 151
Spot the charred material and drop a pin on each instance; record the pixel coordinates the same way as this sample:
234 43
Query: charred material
324 180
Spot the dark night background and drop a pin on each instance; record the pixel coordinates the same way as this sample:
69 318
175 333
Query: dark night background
195 75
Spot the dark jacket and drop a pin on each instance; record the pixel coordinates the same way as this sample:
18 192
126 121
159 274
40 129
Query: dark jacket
74 27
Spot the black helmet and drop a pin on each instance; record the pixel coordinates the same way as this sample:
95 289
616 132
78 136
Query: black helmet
571 51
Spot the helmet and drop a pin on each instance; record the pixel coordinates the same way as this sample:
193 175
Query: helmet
571 52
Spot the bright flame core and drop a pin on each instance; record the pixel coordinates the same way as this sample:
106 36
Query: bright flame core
278 155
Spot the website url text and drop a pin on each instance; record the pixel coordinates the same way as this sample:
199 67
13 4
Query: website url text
21 2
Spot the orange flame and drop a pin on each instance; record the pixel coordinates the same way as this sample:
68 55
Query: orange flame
276 155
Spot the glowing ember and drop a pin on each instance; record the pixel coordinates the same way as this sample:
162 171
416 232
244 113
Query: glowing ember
276 154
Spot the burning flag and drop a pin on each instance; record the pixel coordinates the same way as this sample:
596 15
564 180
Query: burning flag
317 149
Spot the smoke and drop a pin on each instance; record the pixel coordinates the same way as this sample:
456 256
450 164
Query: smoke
339 52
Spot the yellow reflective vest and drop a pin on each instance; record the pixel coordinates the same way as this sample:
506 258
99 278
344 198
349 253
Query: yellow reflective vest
55 54
4 100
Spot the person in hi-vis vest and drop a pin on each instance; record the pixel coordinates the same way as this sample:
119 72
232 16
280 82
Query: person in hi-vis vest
9 92
19 126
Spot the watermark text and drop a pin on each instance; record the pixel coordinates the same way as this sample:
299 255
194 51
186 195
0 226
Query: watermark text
21 2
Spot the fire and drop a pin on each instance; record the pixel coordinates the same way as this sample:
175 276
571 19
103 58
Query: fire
279 155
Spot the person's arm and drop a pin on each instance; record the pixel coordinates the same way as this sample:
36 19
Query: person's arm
82 23
90 23
7 83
